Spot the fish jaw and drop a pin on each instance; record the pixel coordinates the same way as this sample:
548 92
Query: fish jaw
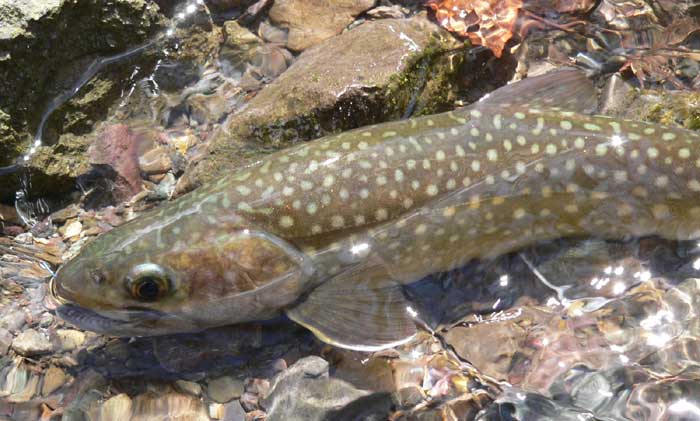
141 322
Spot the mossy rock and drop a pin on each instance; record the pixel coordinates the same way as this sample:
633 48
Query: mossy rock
376 72
44 41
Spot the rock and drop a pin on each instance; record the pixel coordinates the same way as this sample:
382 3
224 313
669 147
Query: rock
71 229
36 64
54 378
192 388
13 318
70 339
245 56
54 169
30 342
233 411
116 150
387 12
670 108
249 401
489 346
224 389
364 76
5 341
305 392
155 161
168 405
312 21
116 408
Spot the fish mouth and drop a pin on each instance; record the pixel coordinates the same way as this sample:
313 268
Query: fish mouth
135 323
130 321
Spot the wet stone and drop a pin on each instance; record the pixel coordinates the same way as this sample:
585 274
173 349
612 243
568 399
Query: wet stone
70 339
30 342
388 12
13 319
5 341
116 408
249 401
54 378
224 389
155 161
192 388
305 392
159 405
46 320
312 21
233 411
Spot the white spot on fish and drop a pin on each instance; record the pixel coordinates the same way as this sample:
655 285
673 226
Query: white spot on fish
592 127
497 121
668 136
286 221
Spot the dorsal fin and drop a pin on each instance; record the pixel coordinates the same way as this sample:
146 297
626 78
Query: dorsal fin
568 89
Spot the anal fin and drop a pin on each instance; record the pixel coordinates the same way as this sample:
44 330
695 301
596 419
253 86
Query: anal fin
361 309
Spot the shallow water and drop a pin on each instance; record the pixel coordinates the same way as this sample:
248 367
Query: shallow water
568 329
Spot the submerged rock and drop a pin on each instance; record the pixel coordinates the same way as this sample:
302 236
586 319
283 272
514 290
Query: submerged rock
312 21
376 72
305 392
30 342
224 389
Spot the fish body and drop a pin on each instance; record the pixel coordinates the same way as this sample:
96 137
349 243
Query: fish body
328 231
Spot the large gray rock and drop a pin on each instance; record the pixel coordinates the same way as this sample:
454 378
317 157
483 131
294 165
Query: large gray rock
370 74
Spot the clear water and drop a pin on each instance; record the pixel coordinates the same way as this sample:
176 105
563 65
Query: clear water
573 329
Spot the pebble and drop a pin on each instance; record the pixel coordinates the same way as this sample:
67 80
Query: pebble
5 341
71 229
155 161
224 389
30 342
70 339
116 408
46 320
233 411
387 12
249 401
54 378
192 388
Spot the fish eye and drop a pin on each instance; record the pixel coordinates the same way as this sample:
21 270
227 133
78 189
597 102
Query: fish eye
148 282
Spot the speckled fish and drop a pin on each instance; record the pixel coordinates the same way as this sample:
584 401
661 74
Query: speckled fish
330 230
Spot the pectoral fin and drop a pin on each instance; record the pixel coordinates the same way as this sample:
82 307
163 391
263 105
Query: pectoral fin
362 309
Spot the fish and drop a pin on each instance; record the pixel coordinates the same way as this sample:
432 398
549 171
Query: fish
330 231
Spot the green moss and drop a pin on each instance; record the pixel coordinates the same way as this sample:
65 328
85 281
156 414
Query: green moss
667 108
11 142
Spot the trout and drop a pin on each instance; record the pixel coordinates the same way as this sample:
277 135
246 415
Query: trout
329 231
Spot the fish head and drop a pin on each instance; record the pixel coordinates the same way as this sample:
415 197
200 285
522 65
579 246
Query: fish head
160 278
